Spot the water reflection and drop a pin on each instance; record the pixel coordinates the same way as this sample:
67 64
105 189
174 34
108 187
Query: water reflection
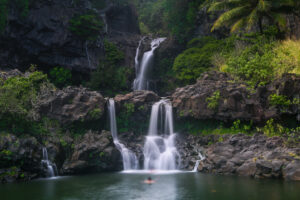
182 186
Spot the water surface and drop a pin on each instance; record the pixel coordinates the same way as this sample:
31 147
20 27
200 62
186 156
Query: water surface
124 186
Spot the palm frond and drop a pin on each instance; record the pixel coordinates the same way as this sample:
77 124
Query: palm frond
238 25
229 15
224 4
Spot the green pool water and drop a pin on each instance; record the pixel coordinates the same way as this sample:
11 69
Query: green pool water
120 186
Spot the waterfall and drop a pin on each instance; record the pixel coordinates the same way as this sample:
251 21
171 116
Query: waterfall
160 152
130 161
51 167
137 55
141 82
87 53
198 162
103 16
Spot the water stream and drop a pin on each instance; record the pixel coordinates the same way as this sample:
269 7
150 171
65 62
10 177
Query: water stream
51 167
130 161
141 82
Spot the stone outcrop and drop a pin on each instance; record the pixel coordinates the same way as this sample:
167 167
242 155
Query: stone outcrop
19 158
94 153
256 156
236 100
71 104
44 38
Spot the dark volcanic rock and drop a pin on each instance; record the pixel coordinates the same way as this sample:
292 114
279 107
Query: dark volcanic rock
71 104
43 37
236 101
94 153
19 158
243 155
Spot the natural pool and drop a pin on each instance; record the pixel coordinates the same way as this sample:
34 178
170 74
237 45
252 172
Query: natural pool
122 186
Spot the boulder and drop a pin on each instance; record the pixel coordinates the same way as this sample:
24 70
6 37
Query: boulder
236 102
94 153
71 104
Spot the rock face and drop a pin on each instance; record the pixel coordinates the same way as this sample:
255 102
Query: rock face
256 156
236 100
19 158
136 104
94 153
72 104
44 38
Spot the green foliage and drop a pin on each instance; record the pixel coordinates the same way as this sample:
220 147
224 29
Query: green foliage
272 129
259 58
87 27
95 114
279 100
252 62
249 13
123 120
109 77
60 76
17 94
197 59
213 101
213 127
174 17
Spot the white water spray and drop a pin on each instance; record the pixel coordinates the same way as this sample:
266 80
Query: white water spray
130 161
160 152
51 167
198 162
141 82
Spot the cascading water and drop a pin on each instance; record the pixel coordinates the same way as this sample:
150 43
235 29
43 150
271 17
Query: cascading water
141 82
198 162
160 152
130 161
51 167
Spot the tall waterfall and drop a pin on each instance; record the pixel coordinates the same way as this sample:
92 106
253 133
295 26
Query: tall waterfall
51 167
141 82
160 152
130 161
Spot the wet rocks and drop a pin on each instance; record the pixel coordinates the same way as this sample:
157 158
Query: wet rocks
19 158
94 153
249 156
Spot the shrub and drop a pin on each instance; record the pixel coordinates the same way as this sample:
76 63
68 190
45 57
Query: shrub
253 64
287 57
109 77
87 27
279 100
213 101
18 96
60 76
273 129
197 59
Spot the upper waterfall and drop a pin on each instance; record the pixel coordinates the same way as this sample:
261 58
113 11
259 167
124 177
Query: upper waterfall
141 82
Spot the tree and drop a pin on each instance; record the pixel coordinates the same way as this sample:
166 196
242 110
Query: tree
249 13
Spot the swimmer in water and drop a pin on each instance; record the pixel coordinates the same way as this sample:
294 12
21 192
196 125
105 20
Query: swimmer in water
149 181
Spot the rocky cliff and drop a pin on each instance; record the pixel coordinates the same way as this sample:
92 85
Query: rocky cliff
43 36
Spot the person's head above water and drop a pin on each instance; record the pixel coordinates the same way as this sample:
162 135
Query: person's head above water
149 178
